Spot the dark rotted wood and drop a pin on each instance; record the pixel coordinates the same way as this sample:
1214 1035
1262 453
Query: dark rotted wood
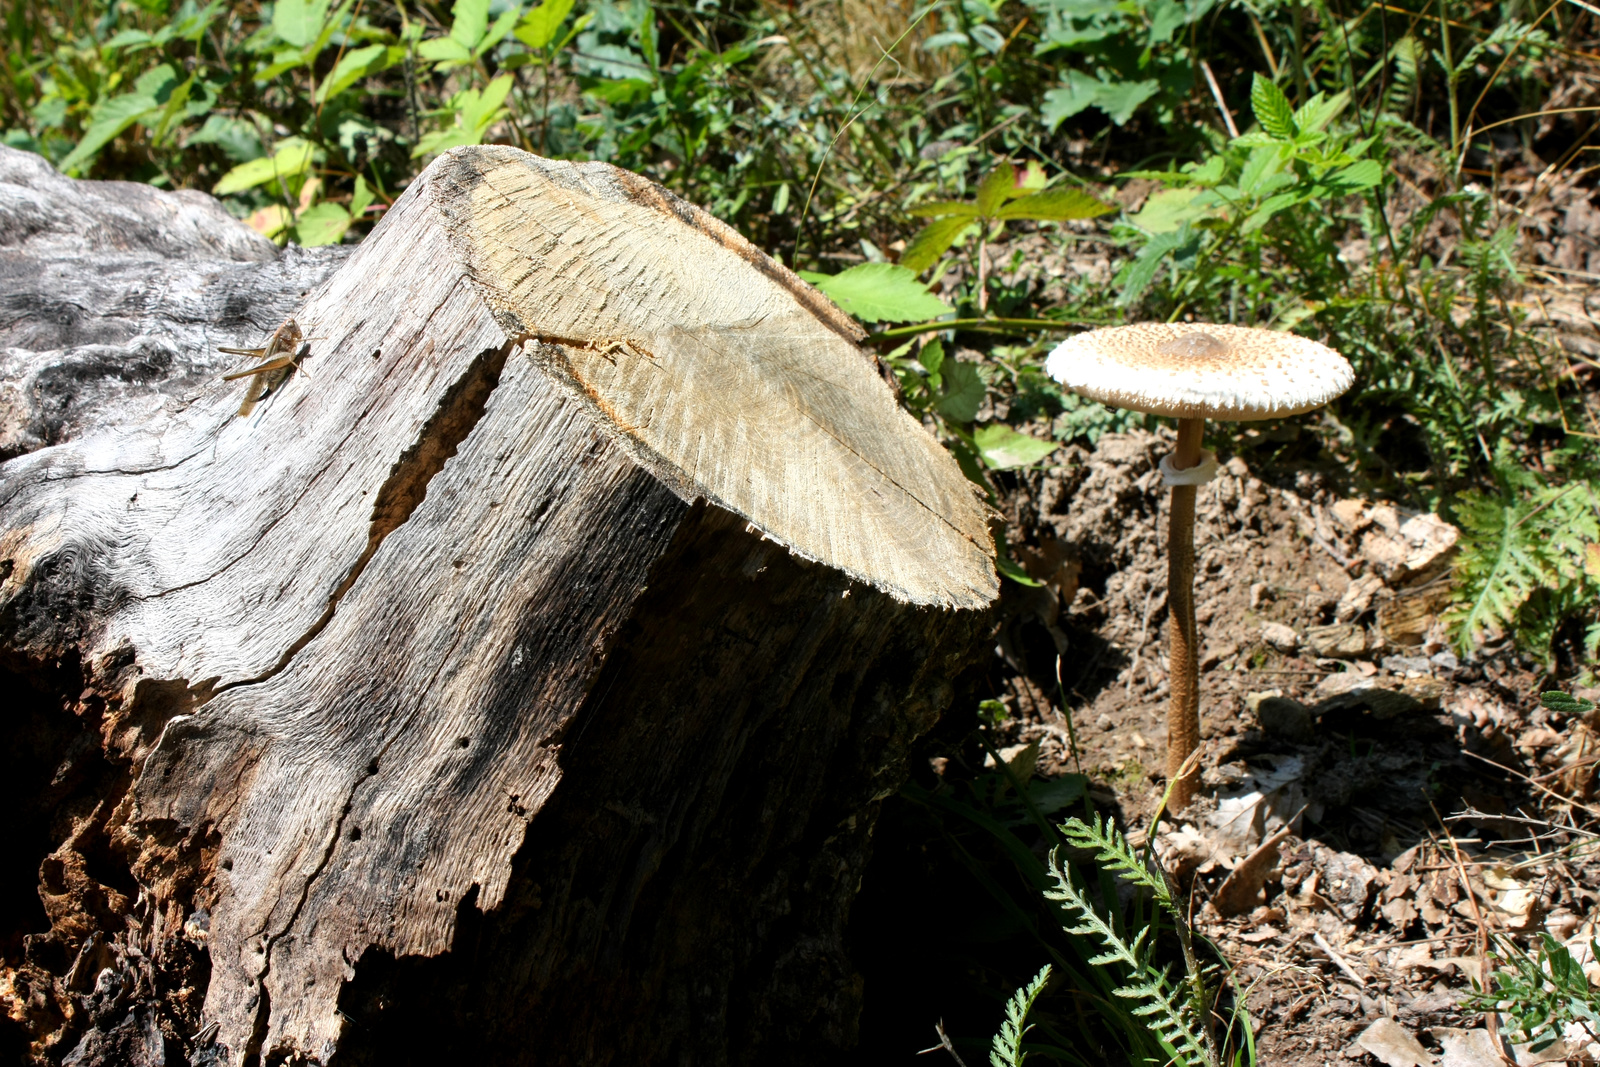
683 895
519 686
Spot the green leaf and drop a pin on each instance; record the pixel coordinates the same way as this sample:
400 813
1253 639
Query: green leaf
1264 163
1169 209
1269 207
1566 703
297 22
1078 94
1505 559
933 241
157 84
1137 276
479 111
1056 204
1272 109
352 67
237 138
932 356
964 391
292 158
150 96
360 199
1357 176
1003 448
502 26
880 292
993 190
108 120
174 111
540 25
322 224
1166 16
285 60
444 50
127 39
620 90
471 19
1314 115
938 209
1119 100
1050 795
1006 1048
475 111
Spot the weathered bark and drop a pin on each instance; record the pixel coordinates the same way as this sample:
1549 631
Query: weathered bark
518 683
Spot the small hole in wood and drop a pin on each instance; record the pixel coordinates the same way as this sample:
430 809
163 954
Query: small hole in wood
376 353
355 833
227 865
372 768
461 742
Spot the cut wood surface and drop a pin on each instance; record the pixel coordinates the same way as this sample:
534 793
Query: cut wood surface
544 644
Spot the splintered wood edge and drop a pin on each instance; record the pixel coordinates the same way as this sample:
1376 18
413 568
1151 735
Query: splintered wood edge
606 278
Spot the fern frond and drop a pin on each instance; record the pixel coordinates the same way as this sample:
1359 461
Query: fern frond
1006 1048
1111 848
1402 87
1168 1012
1503 561
1521 568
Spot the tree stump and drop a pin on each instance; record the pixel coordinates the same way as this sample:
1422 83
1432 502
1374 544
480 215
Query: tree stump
516 685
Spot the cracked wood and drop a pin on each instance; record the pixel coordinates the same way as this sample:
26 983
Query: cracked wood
581 484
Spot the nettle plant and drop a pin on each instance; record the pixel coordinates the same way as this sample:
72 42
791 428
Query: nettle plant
1212 226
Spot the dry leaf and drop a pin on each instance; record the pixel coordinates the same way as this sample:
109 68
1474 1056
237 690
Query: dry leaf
1394 1045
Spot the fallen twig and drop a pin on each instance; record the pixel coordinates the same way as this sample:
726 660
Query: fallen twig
1535 783
944 1043
1338 960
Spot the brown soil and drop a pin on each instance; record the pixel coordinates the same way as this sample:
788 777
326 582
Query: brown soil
1404 764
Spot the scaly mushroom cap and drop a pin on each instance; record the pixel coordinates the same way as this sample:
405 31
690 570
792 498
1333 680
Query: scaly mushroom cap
1200 370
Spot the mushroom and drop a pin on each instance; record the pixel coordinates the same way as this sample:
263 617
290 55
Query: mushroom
1192 372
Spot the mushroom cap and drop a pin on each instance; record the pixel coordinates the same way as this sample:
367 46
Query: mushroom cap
1195 370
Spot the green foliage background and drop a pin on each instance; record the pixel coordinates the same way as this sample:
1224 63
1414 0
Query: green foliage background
1273 138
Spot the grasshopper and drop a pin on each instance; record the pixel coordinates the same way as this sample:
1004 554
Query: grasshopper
279 359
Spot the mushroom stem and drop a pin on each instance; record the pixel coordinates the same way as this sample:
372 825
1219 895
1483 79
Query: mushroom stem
1183 714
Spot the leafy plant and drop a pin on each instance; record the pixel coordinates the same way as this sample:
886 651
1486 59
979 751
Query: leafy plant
1124 55
1216 216
1178 1012
879 292
1542 994
1530 559
1006 1049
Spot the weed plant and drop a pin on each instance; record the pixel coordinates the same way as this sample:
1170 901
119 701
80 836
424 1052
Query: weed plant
1543 995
